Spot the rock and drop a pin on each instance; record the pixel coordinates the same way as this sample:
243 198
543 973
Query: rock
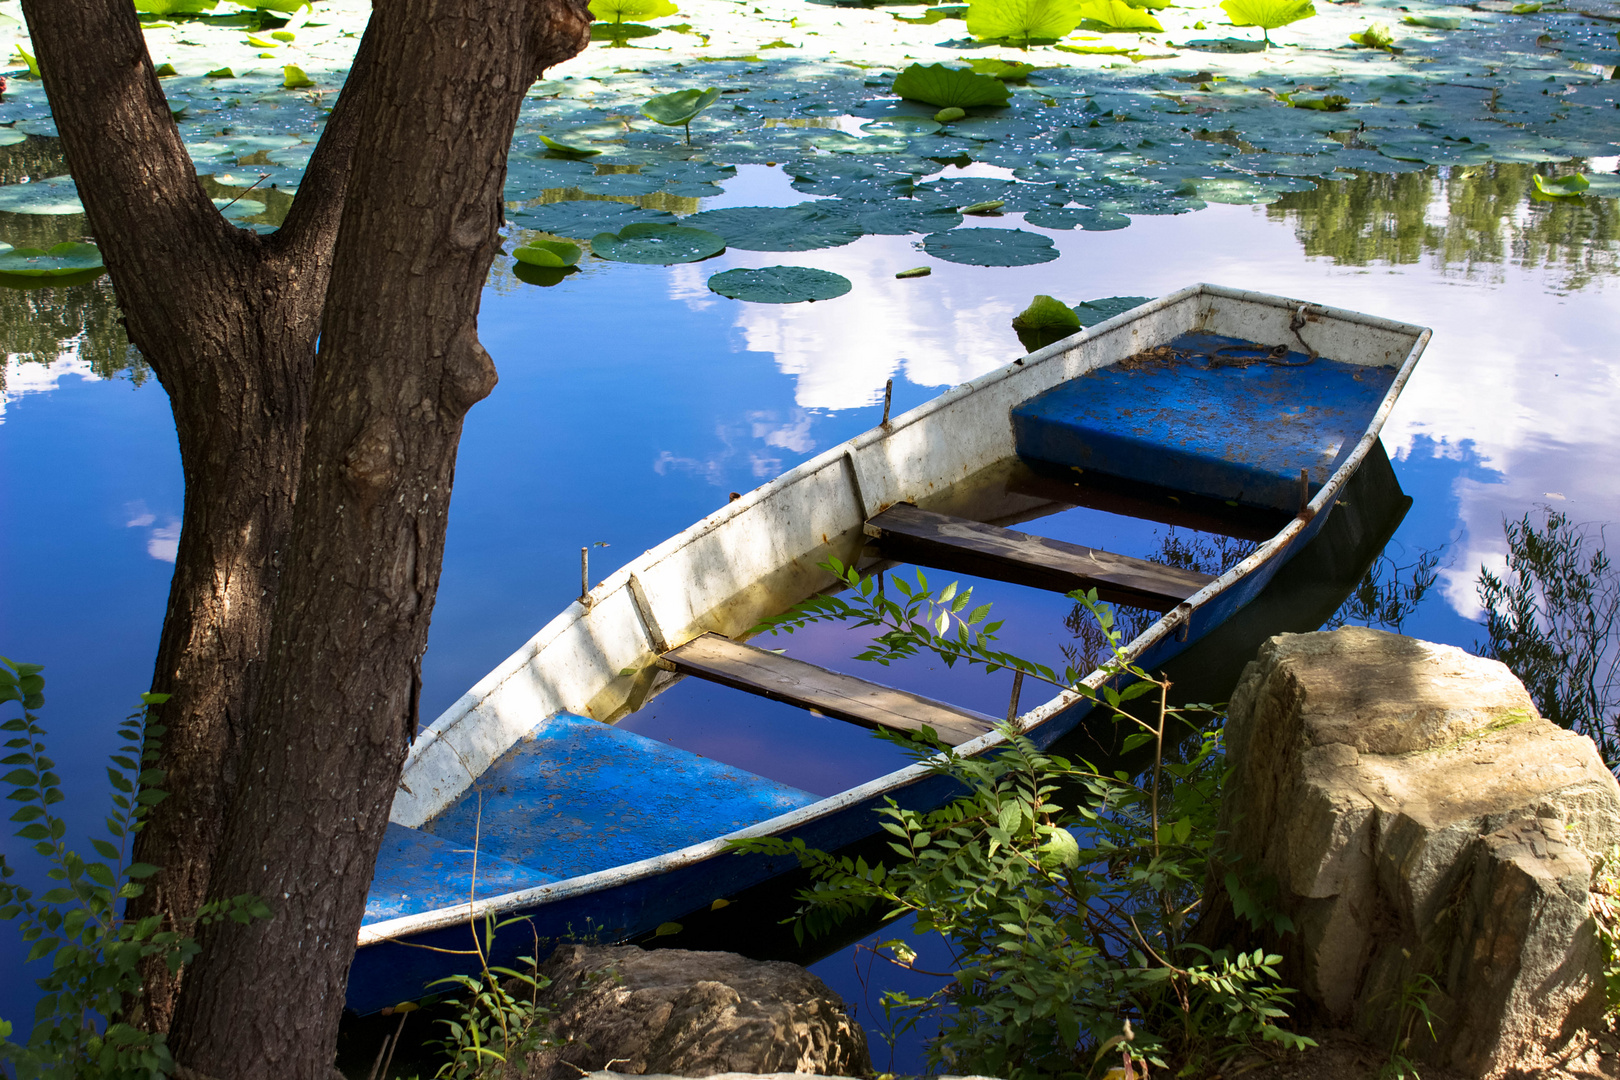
692 1014
1421 821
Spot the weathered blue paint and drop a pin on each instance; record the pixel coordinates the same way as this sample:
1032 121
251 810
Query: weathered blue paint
1232 430
576 795
418 872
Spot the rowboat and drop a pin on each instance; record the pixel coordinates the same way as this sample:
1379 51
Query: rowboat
1229 410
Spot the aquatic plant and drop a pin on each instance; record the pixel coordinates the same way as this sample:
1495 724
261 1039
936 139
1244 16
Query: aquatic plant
780 284
1564 187
1268 15
1118 15
680 108
66 263
949 87
1023 21
548 253
657 245
618 11
1376 36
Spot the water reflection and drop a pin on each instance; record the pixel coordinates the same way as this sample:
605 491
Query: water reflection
74 329
1467 220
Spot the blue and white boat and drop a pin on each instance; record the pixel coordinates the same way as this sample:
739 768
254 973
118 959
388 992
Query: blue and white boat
1220 397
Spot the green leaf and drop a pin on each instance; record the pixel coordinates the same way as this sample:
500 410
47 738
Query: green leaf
945 116
990 247
778 228
66 260
567 148
1376 36
1007 70
174 7
548 253
293 78
1567 187
948 87
220 73
780 284
666 929
1432 22
657 245
1525 9
617 11
1022 21
587 217
1045 313
1062 848
1118 15
904 125
1092 312
1267 14
678 108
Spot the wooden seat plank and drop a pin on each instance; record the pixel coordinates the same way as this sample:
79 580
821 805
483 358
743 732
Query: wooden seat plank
832 693
908 534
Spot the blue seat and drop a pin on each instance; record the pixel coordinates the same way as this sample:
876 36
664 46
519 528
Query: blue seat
575 796
1237 429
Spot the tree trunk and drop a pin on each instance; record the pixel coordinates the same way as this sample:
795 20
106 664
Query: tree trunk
399 366
228 321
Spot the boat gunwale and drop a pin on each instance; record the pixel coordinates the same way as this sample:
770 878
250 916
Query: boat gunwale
439 918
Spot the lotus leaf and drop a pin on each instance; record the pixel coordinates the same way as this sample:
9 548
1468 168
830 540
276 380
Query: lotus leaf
1433 22
950 88
1006 70
903 125
1096 50
990 247
1045 313
945 116
619 33
1525 9
11 136
618 11
63 264
1068 217
1092 312
778 228
284 6
567 148
1118 15
1565 187
293 78
915 272
892 217
659 245
589 217
220 73
56 195
1268 15
679 108
167 71
619 184
780 284
552 253
543 276
992 207
174 7
1023 20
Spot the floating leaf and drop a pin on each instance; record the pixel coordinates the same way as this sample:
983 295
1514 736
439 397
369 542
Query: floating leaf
915 271
780 284
657 245
284 36
1565 187
293 78
1068 217
902 125
1045 313
679 108
778 228
284 6
1268 15
1118 15
945 116
1096 50
175 7
949 88
1005 70
550 253
1092 312
1433 22
567 148
543 276
1023 20
892 217
57 195
11 136
618 11
992 206
220 73
619 33
166 71
990 247
63 264
588 217
1525 9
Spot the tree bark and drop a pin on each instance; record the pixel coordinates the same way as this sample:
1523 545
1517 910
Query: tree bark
228 321
399 366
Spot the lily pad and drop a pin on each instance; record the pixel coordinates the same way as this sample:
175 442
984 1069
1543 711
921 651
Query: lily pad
11 136
1069 217
903 125
893 217
543 276
778 228
1006 70
1565 187
949 88
780 284
1092 312
618 11
548 253
1433 22
56 195
991 247
1023 21
569 149
579 217
657 245
619 33
63 264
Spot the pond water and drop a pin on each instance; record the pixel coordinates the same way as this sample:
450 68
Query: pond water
633 401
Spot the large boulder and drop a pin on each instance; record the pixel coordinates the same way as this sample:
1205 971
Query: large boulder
687 1013
1432 839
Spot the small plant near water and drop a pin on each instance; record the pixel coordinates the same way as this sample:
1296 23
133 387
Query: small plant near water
87 1024
500 1022
1550 617
1069 896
